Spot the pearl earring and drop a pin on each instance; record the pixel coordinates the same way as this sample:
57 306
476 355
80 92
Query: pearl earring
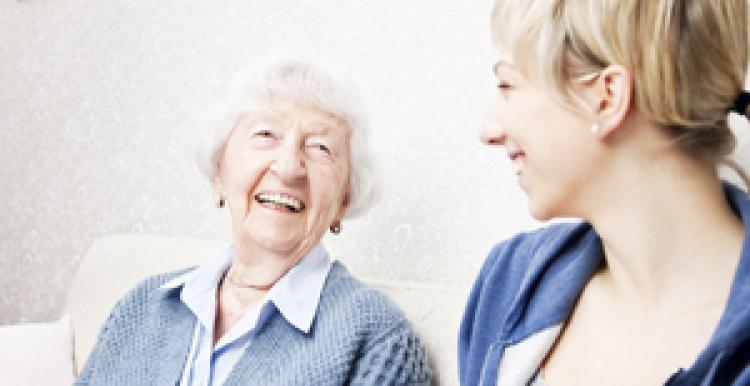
595 129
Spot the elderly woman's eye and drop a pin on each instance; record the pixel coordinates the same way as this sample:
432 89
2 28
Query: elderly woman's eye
262 136
319 149
263 133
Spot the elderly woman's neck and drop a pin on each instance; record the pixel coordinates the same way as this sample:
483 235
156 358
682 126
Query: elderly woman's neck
259 269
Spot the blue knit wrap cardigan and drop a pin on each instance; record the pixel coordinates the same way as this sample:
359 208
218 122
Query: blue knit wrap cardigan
358 337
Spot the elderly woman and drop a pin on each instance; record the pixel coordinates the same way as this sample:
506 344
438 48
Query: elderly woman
616 112
288 159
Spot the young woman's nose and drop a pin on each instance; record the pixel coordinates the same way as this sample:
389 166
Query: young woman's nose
492 132
289 164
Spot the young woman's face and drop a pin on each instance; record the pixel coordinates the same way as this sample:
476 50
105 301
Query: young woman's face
551 146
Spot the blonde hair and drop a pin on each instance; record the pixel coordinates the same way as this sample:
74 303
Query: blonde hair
689 58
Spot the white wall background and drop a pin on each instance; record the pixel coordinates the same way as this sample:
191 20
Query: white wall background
97 100
97 130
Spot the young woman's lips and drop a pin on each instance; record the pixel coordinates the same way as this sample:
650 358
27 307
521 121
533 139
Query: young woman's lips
517 159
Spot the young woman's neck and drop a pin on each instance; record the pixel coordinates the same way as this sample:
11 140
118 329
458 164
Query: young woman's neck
666 228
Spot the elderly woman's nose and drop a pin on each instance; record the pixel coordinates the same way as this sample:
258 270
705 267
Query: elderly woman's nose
492 132
289 164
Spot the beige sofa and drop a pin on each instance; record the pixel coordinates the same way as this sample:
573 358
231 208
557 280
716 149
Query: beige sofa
115 264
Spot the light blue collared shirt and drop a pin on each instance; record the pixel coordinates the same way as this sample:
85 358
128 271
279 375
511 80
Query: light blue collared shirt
295 296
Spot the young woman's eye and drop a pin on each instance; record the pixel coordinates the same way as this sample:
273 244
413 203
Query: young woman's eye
504 89
503 86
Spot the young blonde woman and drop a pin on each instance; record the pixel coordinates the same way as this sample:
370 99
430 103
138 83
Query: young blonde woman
616 112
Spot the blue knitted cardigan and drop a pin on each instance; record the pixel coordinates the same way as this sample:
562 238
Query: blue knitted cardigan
358 337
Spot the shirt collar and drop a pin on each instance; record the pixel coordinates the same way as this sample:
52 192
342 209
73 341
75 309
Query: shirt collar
296 295
203 278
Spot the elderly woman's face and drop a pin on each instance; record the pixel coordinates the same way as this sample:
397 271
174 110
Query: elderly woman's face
284 175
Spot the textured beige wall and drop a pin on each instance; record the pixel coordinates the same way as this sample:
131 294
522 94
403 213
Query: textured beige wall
96 130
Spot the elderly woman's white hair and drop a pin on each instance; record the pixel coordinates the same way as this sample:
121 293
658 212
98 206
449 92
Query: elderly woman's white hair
252 90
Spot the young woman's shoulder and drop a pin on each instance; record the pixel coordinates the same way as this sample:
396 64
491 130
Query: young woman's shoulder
512 257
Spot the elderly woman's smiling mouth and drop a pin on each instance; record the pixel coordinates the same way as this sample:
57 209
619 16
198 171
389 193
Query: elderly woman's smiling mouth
280 201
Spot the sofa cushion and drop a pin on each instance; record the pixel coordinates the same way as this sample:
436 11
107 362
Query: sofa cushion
37 354
113 266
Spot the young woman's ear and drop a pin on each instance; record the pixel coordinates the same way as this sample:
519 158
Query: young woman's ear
613 92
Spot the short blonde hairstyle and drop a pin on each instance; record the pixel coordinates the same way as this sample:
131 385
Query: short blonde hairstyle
689 58
255 86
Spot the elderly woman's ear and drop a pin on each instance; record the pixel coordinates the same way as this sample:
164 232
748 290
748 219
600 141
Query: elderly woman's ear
335 227
218 189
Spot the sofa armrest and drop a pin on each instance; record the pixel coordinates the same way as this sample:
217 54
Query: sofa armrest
37 354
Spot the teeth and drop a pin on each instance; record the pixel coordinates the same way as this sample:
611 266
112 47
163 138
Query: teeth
288 202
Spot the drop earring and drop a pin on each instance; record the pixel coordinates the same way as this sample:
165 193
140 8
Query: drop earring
335 228
220 202
595 129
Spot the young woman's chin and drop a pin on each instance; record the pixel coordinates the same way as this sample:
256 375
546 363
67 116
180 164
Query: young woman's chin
541 214
545 208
